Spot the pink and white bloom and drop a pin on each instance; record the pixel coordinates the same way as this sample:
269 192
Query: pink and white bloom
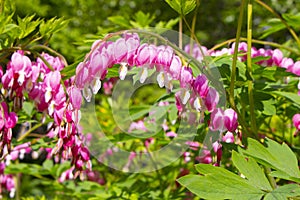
230 119
296 121
217 120
211 100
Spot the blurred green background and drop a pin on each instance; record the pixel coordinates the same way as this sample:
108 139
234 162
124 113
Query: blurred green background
216 19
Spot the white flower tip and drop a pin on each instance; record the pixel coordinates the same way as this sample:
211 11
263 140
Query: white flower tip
48 96
161 79
197 104
21 78
185 97
87 94
123 71
96 85
143 74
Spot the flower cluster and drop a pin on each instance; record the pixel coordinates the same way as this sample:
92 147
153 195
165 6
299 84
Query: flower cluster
127 51
275 56
40 81
6 182
8 120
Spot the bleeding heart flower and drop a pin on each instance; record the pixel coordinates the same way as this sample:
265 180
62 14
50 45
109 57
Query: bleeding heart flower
296 121
217 120
230 119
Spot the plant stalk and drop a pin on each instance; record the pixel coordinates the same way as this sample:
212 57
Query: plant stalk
235 55
249 66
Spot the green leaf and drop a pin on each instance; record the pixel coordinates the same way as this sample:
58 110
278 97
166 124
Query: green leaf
113 72
292 96
120 20
275 155
251 170
52 26
137 112
173 113
284 192
218 183
183 7
283 175
48 164
142 20
28 107
27 25
274 25
221 60
269 108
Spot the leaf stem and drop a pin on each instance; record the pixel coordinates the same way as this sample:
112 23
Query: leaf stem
270 178
180 33
29 131
249 66
235 55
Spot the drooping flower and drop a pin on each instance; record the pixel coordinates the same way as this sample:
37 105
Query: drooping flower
217 120
295 69
200 86
211 100
228 137
296 121
230 119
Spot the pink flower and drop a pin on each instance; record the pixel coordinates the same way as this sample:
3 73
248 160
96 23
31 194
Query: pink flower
175 67
75 97
277 57
142 55
186 77
295 69
55 63
1 72
296 121
217 120
228 137
20 65
7 120
287 63
164 56
200 86
137 126
132 43
171 134
120 51
230 120
205 157
98 64
211 100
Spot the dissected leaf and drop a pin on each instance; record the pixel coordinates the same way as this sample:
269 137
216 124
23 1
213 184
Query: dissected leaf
251 170
277 156
284 192
219 183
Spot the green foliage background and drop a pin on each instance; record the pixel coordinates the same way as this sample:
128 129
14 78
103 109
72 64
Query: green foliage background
216 19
